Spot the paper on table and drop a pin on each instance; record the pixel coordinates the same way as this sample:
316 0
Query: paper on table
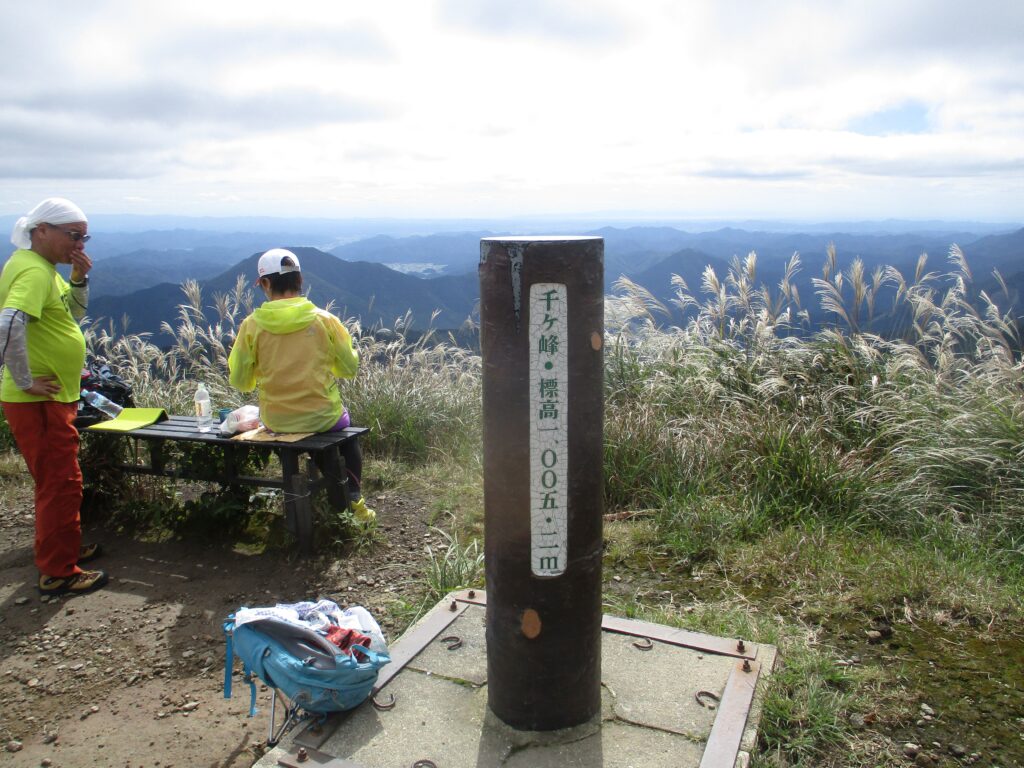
131 418
263 435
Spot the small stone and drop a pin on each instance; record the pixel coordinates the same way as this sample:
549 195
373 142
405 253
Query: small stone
190 706
924 761
45 762
957 750
910 749
21 601
883 629
49 738
874 636
13 746
926 710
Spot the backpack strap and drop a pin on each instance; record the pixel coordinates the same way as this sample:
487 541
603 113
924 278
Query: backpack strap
247 674
252 688
373 657
229 648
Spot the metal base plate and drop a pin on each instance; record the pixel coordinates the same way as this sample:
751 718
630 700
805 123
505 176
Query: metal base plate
670 698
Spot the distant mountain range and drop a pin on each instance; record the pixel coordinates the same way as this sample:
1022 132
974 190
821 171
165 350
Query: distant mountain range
141 269
373 293
378 279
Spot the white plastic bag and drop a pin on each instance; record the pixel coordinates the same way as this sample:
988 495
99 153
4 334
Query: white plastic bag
241 420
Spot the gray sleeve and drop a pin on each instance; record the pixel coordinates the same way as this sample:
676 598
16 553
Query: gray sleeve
79 303
13 349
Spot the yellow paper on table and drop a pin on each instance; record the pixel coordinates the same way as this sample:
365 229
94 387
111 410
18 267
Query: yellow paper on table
263 435
131 418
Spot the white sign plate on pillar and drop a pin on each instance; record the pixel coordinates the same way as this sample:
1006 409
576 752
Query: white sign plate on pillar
549 444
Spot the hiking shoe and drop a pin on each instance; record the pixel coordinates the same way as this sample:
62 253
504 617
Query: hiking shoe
79 584
89 552
363 513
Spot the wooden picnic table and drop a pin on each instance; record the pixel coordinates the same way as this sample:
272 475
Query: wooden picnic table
324 468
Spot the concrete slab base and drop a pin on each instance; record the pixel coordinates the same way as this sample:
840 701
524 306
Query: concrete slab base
671 698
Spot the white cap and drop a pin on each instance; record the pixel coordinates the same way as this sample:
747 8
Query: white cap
270 262
53 210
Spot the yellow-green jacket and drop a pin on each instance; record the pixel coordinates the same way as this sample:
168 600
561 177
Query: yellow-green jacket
294 352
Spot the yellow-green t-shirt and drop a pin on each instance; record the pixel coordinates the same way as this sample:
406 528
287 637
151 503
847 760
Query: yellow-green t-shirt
56 346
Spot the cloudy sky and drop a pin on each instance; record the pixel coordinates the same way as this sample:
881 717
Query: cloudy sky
493 108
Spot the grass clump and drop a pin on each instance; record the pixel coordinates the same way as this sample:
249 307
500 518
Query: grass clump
828 478
458 565
742 415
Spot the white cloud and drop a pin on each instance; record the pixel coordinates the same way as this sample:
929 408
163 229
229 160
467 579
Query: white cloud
569 22
472 107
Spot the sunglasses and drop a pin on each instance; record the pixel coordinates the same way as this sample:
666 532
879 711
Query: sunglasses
73 234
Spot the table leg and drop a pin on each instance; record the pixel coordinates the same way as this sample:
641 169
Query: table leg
303 506
290 471
156 455
230 464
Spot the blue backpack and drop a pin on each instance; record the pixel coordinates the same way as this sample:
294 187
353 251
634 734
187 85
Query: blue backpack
314 674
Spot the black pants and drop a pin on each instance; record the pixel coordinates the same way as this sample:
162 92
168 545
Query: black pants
353 456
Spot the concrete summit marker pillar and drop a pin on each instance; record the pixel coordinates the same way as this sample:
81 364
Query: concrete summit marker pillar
541 334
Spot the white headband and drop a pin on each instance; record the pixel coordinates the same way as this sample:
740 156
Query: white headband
53 210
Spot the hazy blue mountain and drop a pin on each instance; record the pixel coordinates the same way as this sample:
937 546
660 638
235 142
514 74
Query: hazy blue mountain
626 251
769 246
1003 252
448 253
649 255
130 272
688 264
632 250
371 292
106 245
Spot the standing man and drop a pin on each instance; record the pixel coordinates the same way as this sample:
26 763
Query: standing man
43 350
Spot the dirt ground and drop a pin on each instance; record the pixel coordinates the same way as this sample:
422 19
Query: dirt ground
132 675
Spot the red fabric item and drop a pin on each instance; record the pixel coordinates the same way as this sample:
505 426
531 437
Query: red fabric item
345 638
46 436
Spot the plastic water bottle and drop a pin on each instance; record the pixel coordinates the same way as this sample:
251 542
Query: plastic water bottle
101 403
204 408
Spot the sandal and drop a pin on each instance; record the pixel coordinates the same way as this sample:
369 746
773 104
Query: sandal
89 552
78 584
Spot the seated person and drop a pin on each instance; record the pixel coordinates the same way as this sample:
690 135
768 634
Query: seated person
294 352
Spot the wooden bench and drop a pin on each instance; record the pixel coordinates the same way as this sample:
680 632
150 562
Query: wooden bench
325 467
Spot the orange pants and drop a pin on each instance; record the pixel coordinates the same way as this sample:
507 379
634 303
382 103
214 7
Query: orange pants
46 436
